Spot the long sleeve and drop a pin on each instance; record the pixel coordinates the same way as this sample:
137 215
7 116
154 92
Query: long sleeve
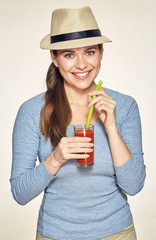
131 176
27 179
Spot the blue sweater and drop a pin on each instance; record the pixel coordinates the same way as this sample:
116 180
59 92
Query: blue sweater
78 203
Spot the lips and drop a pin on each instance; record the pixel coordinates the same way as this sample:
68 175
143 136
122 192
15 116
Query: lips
82 74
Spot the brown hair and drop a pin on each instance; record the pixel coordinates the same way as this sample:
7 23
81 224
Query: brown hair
56 112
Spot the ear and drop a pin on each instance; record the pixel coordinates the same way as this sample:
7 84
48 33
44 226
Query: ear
53 57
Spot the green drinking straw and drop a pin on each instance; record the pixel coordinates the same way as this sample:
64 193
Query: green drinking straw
92 107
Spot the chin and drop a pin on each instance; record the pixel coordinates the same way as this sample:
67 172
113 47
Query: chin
83 85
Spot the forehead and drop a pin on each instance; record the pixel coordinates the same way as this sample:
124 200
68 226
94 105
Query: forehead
78 49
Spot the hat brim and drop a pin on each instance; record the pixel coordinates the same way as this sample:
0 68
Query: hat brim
83 42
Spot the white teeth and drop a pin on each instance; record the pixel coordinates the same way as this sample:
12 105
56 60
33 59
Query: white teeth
81 74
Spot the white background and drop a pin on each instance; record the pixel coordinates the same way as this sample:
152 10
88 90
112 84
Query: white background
128 66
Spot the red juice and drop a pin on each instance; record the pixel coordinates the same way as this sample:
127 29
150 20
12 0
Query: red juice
85 132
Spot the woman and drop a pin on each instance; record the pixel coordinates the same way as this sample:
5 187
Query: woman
79 203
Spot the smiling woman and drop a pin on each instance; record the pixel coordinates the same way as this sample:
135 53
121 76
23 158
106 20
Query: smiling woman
79 203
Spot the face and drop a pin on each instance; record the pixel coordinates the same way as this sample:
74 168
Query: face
78 66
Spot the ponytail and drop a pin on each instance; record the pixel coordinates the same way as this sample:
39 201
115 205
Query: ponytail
56 112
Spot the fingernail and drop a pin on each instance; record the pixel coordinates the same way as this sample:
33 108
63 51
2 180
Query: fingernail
89 139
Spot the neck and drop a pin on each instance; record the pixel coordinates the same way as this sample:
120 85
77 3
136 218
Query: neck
78 96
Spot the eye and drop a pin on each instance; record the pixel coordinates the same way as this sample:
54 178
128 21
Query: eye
69 55
90 53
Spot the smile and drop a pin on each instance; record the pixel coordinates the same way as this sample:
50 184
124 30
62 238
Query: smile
81 75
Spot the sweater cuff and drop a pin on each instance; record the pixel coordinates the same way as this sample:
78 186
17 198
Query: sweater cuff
46 173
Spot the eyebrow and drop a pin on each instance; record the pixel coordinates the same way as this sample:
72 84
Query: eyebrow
64 51
90 48
72 51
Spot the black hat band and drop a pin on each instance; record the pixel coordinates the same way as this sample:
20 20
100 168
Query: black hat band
75 35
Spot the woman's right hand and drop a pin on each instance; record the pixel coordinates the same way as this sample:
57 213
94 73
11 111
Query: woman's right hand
68 148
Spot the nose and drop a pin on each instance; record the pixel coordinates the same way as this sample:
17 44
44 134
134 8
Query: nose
81 63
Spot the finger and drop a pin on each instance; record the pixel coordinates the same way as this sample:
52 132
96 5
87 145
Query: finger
75 139
99 92
80 144
80 150
78 156
99 98
110 104
104 107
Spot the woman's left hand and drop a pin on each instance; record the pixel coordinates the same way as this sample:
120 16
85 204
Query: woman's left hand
105 107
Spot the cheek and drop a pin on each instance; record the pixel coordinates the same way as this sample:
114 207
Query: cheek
64 71
65 67
96 62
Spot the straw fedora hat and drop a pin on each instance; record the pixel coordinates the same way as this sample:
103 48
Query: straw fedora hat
72 28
